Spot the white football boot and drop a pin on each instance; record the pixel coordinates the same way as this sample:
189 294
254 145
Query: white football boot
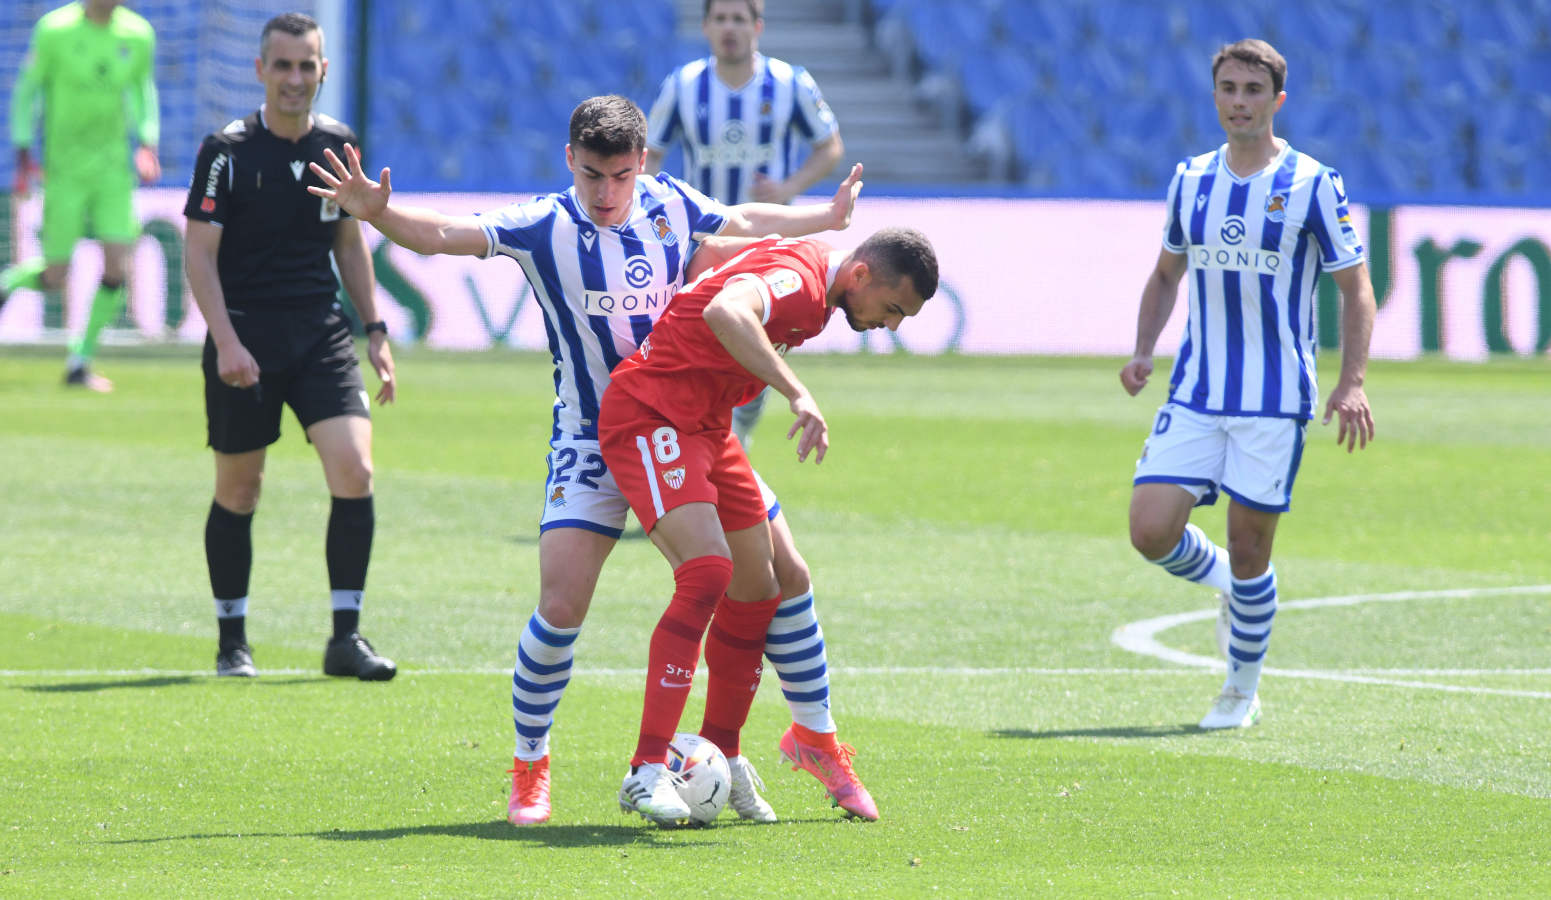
1232 710
1224 623
651 791
743 796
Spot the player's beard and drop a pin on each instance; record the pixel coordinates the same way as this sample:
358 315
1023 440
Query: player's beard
844 305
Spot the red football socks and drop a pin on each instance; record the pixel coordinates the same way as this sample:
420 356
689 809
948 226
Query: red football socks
734 651
675 649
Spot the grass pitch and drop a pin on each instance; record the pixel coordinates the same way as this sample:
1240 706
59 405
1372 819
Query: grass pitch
967 539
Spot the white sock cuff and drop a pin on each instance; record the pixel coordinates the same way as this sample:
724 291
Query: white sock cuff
231 609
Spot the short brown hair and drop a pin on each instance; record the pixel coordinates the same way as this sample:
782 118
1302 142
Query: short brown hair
293 23
902 252
756 9
1254 52
608 126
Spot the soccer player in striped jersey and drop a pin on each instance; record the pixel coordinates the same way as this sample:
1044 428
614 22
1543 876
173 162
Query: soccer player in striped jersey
603 259
1254 223
740 117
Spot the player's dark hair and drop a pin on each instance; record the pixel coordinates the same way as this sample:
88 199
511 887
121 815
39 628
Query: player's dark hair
756 9
293 23
1254 52
608 126
902 252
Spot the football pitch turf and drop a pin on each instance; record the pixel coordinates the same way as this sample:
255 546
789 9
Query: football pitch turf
1021 687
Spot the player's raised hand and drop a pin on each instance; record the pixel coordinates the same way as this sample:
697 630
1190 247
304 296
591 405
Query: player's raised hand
1134 375
845 199
815 433
348 185
1351 404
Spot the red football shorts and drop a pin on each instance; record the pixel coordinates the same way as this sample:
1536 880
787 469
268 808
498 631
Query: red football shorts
658 467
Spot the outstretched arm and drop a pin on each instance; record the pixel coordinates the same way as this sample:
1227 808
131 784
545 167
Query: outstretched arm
796 221
424 231
1158 297
1348 400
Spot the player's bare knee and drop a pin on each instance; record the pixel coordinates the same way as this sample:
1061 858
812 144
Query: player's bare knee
239 495
793 576
562 610
1154 540
352 478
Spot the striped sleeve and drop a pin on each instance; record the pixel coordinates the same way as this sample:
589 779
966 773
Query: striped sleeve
664 123
1174 226
1330 221
812 117
705 214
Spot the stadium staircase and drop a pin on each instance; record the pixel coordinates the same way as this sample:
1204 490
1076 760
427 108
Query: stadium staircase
899 140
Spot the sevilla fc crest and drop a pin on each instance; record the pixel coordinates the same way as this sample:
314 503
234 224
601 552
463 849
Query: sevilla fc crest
674 477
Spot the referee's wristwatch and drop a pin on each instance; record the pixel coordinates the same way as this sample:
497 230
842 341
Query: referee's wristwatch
378 326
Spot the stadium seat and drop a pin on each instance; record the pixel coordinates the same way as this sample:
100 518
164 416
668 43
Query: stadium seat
1034 23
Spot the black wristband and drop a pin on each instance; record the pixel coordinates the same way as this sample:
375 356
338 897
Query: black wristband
378 325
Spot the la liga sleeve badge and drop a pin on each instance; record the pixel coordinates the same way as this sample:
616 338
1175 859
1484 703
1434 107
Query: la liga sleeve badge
782 282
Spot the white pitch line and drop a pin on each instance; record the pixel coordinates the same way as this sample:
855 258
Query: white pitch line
1141 638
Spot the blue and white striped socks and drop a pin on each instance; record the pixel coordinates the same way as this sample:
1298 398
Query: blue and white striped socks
794 644
538 681
1252 608
1196 558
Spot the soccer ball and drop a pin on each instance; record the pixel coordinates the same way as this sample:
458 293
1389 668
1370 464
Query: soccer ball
704 779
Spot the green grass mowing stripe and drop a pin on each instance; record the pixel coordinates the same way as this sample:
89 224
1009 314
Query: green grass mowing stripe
306 784
996 490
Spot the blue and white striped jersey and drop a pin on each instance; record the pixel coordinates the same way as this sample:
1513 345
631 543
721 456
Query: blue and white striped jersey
1256 248
601 289
728 135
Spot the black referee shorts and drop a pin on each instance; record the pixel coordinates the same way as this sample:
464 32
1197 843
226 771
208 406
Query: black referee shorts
306 360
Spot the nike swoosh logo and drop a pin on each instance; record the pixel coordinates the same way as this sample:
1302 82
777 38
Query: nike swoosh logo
673 685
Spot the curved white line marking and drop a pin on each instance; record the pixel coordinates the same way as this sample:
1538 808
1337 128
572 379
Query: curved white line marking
1141 637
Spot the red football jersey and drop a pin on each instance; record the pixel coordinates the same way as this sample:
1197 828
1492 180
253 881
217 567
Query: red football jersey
683 371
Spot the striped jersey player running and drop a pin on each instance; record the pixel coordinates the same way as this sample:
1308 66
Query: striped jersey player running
603 259
1253 223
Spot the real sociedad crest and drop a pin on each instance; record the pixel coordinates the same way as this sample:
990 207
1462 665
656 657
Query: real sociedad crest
664 230
1276 207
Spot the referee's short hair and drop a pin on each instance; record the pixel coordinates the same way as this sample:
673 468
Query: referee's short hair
293 23
902 252
608 126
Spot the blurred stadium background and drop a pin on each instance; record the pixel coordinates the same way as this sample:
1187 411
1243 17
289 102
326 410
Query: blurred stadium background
1413 100
1419 103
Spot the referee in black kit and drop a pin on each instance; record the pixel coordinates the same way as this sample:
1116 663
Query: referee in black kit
258 264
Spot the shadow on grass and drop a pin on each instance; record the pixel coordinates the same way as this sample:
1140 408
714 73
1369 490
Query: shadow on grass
633 533
1124 731
156 681
580 836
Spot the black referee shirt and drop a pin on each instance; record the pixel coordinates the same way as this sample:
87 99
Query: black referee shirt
275 237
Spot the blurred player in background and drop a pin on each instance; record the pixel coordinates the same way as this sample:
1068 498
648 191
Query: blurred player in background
1255 222
666 435
739 115
258 264
603 258
91 65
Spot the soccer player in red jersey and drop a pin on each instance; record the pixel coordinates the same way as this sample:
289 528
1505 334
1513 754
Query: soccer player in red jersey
665 433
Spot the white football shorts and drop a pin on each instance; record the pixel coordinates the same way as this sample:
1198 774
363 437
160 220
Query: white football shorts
580 491
1253 459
